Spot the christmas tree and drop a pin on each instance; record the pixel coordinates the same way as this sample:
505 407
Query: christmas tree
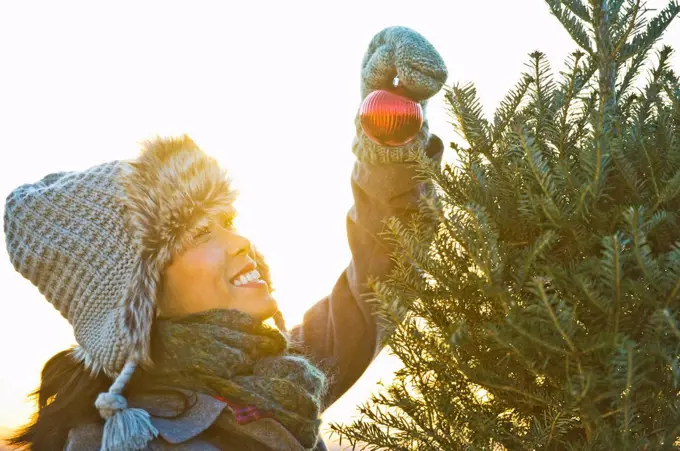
536 299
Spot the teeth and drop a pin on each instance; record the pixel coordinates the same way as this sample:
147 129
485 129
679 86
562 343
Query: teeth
243 279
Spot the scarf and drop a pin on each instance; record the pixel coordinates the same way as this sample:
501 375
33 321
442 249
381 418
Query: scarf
228 354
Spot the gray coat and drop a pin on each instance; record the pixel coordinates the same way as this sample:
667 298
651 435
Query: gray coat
339 333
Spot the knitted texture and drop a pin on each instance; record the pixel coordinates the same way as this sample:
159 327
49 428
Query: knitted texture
244 414
96 242
406 54
226 353
67 235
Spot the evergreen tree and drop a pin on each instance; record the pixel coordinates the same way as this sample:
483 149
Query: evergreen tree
543 309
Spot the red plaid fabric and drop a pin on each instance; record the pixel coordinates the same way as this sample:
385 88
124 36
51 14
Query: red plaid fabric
244 414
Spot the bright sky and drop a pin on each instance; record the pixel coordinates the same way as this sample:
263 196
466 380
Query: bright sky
269 88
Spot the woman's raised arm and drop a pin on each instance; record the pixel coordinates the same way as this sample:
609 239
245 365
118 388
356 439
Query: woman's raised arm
340 332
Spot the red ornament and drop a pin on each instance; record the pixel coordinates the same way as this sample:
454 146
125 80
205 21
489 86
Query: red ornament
390 119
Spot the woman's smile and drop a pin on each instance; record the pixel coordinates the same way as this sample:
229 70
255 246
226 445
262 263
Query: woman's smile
248 277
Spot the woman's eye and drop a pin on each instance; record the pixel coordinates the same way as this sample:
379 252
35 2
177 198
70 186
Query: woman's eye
228 222
201 233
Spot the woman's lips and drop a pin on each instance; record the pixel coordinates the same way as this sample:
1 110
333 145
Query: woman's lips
254 284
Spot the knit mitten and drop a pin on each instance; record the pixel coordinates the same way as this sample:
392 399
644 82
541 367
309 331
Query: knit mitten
406 54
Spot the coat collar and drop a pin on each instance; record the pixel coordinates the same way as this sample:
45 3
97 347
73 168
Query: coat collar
180 416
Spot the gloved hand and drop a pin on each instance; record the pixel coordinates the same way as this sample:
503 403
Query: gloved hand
404 53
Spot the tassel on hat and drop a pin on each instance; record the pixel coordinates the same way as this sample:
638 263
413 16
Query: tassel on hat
125 428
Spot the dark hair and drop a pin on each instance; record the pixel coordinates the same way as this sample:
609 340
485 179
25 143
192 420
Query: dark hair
67 395
65 399
68 391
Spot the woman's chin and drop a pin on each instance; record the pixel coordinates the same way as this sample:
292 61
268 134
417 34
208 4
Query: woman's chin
269 308
258 303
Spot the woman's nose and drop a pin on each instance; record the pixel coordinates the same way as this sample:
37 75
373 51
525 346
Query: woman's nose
234 243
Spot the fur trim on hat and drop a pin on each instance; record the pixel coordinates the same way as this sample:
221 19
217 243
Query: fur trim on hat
171 191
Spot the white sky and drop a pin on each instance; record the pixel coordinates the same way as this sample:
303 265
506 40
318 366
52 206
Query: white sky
269 88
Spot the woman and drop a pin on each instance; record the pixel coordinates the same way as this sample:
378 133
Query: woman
167 300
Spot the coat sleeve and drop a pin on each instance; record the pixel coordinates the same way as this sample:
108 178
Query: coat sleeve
340 333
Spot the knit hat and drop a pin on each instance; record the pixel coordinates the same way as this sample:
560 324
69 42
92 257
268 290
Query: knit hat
96 243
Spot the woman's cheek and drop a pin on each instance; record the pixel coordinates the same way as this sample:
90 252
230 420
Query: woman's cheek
206 260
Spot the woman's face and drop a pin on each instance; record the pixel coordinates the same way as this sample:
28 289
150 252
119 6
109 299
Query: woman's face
217 271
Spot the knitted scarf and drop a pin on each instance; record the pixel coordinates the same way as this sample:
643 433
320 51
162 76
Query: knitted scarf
227 353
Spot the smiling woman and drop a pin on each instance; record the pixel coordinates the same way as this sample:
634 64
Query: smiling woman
168 302
218 271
